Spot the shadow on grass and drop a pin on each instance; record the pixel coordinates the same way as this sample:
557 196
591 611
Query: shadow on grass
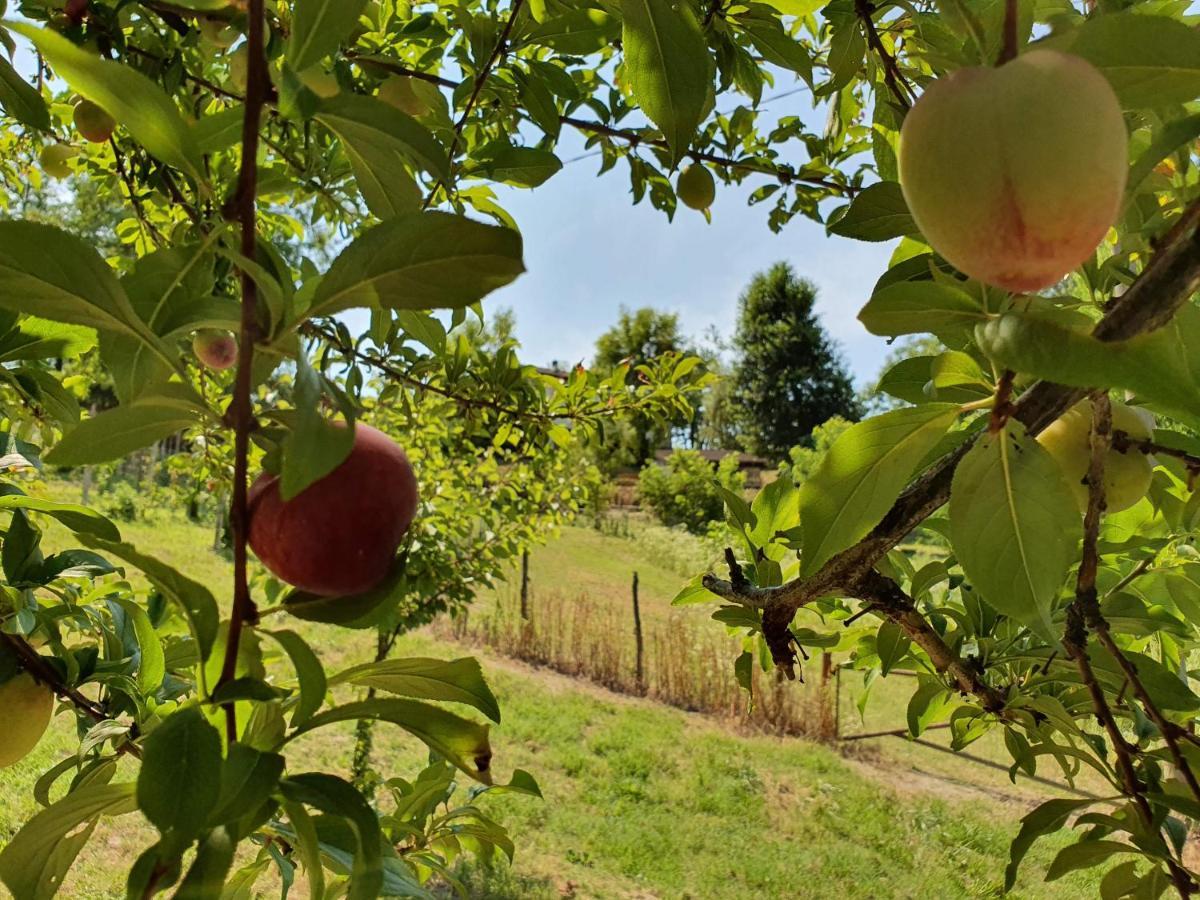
499 882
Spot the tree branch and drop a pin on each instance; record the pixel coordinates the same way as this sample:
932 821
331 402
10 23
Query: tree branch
892 76
48 675
481 77
1169 279
1085 607
246 210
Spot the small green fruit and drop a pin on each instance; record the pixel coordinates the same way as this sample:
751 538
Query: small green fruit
55 158
216 349
93 123
398 91
1126 475
239 66
27 707
1015 174
219 33
696 187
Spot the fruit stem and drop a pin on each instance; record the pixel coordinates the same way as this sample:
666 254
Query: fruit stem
1008 50
245 210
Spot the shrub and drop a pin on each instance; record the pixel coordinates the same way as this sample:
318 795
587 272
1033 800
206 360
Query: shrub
685 490
804 459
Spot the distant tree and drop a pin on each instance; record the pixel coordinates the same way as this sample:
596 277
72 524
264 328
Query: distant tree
718 420
639 335
500 329
789 376
804 459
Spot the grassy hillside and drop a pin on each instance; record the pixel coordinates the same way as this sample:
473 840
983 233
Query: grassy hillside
643 800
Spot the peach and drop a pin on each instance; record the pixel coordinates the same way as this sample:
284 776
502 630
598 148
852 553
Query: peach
216 349
1015 174
1126 475
27 707
93 123
339 536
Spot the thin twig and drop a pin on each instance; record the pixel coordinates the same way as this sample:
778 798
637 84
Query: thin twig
1002 408
241 408
900 89
135 201
43 672
1008 51
481 77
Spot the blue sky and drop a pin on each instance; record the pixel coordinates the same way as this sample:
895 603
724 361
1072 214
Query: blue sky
589 250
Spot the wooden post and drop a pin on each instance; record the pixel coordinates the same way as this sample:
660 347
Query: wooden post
525 585
637 633
86 491
829 724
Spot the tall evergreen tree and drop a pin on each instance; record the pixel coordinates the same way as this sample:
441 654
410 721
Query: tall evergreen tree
790 376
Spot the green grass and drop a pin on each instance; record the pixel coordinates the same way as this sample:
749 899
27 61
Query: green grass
641 800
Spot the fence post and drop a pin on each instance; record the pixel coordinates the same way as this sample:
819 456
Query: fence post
829 725
525 585
637 633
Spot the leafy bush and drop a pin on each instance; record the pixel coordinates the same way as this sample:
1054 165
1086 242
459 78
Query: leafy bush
685 490
804 459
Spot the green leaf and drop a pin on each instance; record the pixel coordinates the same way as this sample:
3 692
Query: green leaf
847 49
314 446
425 260
1084 855
906 380
1051 816
927 703
862 474
577 31
334 796
669 68
777 46
1172 137
308 845
152 664
50 273
460 681
116 433
183 752
359 611
1152 61
463 742
21 100
1014 526
248 778
79 519
38 857
919 307
776 508
38 338
525 167
538 101
892 645
310 674
383 136
1160 366
219 131
194 600
206 876
319 27
125 94
877 214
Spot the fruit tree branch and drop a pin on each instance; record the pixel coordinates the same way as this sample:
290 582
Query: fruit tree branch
42 671
1085 607
481 77
1170 278
892 76
245 209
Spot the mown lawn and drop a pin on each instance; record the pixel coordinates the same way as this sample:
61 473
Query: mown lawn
640 800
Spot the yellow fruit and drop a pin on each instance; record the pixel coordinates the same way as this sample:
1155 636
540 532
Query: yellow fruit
239 65
696 187
54 159
1014 174
1126 475
323 84
399 92
218 32
93 123
27 708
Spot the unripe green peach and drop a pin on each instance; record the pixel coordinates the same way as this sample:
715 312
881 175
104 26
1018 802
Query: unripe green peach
216 349
27 708
323 84
218 32
1015 174
239 68
1126 475
54 159
696 187
399 92
93 123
